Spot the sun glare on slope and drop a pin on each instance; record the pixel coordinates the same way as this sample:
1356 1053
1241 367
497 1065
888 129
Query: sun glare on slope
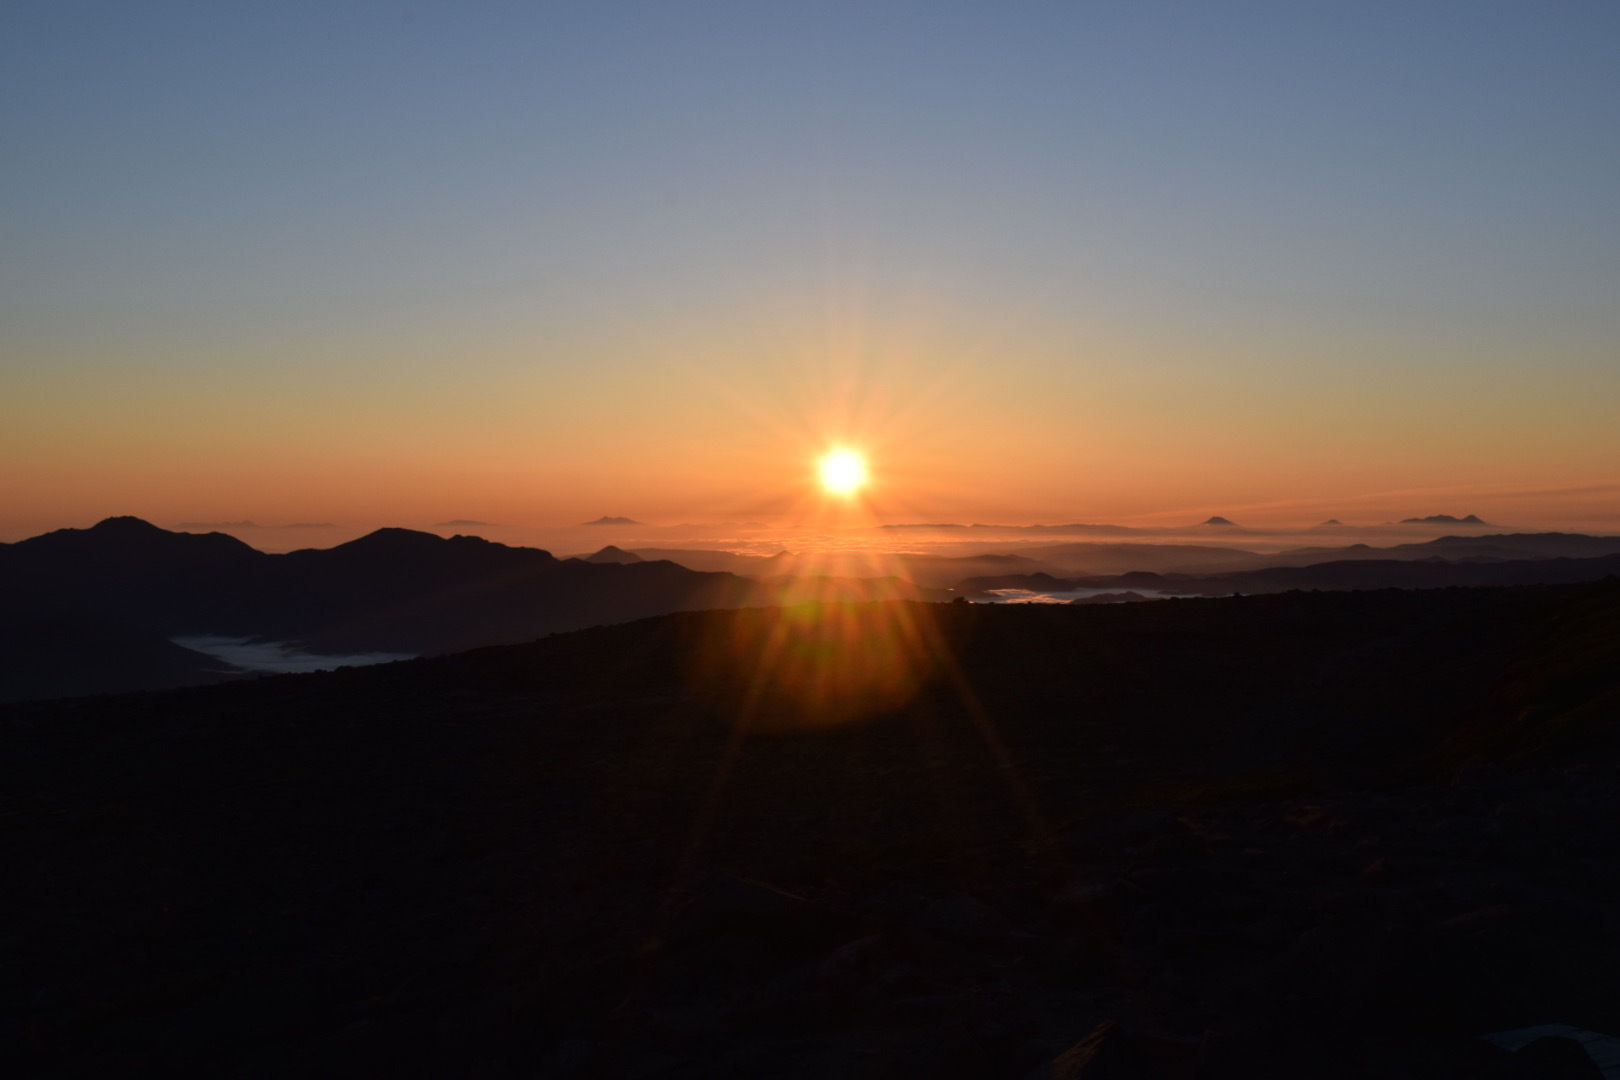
843 472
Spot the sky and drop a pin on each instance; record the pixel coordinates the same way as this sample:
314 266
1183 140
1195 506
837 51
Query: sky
532 263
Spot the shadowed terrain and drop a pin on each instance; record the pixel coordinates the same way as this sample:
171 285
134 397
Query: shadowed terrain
1293 835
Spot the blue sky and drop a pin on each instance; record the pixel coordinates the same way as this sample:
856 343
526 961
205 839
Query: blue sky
1271 203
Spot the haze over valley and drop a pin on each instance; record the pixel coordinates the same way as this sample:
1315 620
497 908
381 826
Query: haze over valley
885 540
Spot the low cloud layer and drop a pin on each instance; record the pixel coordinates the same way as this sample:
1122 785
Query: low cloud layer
277 657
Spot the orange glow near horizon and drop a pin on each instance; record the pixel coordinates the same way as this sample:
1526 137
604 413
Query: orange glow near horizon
734 428
677 323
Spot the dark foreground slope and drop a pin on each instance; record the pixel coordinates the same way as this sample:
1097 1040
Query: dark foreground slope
1298 835
48 653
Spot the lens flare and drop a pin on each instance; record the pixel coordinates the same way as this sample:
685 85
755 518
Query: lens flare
817 664
843 472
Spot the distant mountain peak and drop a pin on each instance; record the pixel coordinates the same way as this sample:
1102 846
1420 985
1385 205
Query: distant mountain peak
606 520
392 538
130 537
127 524
611 554
1444 519
1218 520
1332 521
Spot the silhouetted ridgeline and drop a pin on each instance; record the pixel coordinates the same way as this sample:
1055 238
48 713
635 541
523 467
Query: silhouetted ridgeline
87 608
393 590
1345 574
1303 835
1094 558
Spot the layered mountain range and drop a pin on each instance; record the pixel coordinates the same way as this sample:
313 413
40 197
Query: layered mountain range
80 604
97 610
1450 562
1104 558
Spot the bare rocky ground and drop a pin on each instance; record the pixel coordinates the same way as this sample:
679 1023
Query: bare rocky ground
1307 835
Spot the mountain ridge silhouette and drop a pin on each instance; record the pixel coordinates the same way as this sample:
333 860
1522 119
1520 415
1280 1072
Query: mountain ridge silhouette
393 590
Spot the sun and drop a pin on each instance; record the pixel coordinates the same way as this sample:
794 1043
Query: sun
843 472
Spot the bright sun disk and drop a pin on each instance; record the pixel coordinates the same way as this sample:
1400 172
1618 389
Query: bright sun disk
843 472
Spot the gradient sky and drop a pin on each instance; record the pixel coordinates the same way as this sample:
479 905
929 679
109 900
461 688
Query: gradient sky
524 262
